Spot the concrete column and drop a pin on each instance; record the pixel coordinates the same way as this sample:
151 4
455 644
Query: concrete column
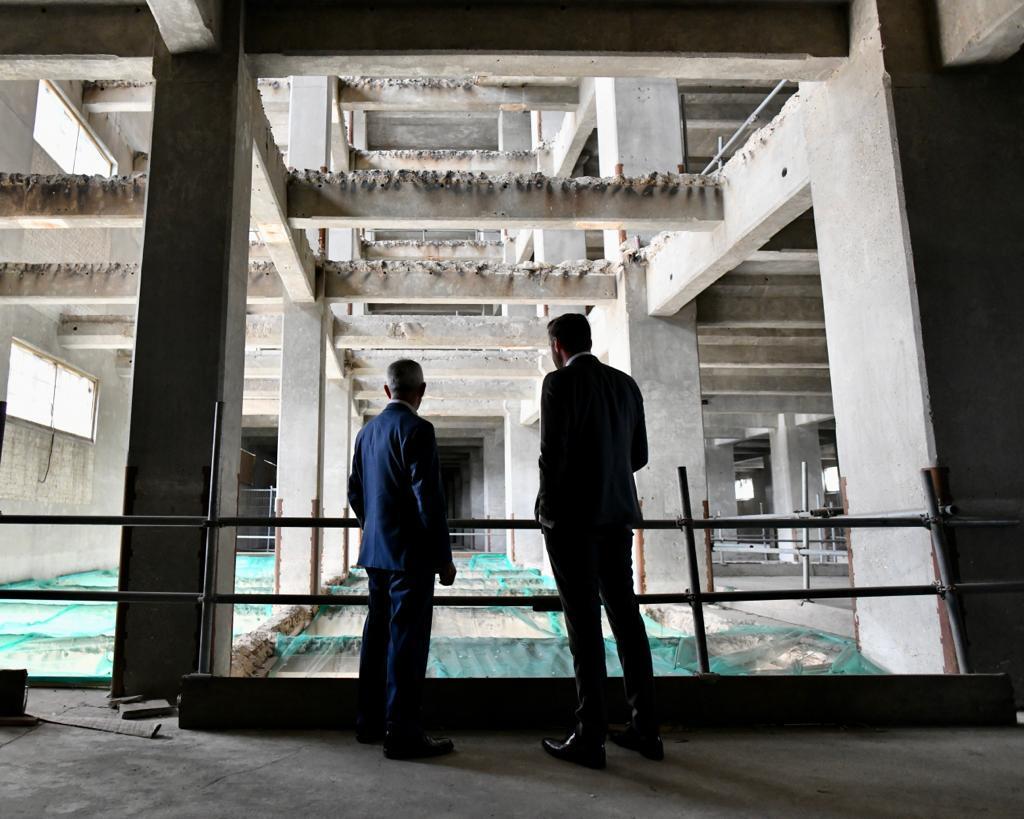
5 353
791 446
923 298
189 353
336 459
477 492
514 132
494 484
638 127
309 122
309 128
721 493
300 443
554 246
522 480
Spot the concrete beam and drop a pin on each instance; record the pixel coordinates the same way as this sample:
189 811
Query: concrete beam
776 356
104 284
372 389
723 309
980 31
761 337
425 200
801 41
769 186
439 333
118 332
715 381
188 25
479 161
775 404
76 42
117 98
32 201
435 250
484 365
755 420
468 282
386 94
577 126
287 247
432 407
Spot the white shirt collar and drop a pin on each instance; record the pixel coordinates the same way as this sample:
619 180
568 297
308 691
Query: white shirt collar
403 403
572 358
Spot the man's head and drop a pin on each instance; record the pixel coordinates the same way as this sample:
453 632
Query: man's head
569 334
405 382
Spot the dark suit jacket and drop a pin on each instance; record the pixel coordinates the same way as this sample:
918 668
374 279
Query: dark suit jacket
592 439
395 490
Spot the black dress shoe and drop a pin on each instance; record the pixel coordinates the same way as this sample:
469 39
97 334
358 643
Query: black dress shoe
369 737
647 745
574 749
416 747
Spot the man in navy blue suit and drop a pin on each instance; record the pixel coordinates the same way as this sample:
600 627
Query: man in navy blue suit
395 491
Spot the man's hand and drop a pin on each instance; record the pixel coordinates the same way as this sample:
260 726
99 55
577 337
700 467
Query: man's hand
447 574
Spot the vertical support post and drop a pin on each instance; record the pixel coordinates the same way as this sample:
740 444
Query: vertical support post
696 602
805 534
709 547
210 548
941 547
3 425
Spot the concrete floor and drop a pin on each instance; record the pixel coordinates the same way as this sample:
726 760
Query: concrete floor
55 770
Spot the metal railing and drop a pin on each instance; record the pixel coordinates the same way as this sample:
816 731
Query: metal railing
937 519
723 148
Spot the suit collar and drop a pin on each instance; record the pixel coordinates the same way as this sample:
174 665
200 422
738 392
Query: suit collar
401 406
580 357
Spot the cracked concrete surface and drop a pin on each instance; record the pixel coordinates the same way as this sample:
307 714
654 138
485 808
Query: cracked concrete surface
838 772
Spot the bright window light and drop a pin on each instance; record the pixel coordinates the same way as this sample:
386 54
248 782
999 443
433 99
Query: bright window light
47 392
60 133
745 489
831 479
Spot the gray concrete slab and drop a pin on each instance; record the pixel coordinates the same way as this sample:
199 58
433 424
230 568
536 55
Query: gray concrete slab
835 772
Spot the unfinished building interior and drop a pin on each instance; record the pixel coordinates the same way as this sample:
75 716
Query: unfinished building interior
798 226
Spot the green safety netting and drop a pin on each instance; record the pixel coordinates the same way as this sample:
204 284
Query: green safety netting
519 642
64 642
73 642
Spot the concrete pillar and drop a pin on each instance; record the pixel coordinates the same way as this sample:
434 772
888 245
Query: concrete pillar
5 353
477 493
300 443
336 459
923 298
554 246
189 353
494 484
514 132
638 127
721 493
309 128
791 446
309 122
522 479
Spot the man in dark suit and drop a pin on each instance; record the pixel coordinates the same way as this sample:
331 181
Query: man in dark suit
395 490
592 440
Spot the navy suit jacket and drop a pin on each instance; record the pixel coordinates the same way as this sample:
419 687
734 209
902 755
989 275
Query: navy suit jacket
395 490
593 437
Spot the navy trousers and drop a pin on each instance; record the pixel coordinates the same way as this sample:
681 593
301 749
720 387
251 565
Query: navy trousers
393 659
591 566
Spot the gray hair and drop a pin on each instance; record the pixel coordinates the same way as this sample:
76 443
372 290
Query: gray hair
404 376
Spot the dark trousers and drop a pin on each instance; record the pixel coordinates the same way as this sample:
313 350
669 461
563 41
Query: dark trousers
591 566
393 659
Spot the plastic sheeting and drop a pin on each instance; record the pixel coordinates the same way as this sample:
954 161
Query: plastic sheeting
66 642
519 642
